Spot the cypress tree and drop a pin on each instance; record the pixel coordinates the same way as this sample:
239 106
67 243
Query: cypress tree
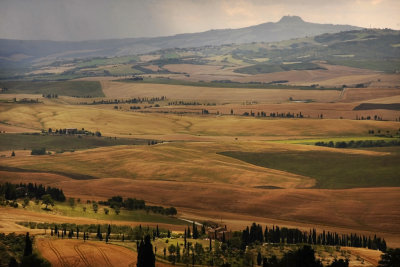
259 259
146 257
195 232
28 245
184 238
178 252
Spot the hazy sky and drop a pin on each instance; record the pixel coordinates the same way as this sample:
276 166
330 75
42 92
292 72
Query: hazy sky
101 19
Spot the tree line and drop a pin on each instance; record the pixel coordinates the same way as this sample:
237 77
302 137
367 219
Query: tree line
272 114
359 143
136 100
13 191
283 235
137 204
72 131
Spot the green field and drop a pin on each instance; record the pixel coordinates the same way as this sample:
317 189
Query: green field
269 68
226 84
65 88
389 66
331 170
61 143
65 209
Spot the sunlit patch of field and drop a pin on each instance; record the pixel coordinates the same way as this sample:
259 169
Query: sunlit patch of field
183 162
113 122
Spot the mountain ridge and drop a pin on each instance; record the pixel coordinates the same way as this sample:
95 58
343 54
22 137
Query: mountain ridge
288 27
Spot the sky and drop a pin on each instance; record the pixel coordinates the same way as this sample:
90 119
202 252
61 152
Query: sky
75 20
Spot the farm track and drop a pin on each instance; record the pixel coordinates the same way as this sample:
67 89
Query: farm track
106 259
81 255
63 262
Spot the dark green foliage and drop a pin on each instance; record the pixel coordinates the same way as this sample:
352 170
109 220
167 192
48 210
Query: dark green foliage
303 257
283 235
137 204
38 151
14 191
28 245
195 231
339 263
269 68
34 261
391 258
66 88
61 142
47 200
146 257
330 169
359 143
11 247
259 258
13 262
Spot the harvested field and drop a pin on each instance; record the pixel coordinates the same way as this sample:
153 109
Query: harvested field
118 123
78 253
114 89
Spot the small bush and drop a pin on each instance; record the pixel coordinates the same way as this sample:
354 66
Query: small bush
38 151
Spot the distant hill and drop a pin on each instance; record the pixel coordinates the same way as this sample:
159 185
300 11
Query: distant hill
289 27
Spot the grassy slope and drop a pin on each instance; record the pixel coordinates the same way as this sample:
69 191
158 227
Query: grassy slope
126 215
331 170
66 88
60 142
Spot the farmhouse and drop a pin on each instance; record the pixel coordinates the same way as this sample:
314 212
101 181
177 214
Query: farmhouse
219 233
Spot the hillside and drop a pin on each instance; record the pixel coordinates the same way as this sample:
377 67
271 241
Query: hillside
288 27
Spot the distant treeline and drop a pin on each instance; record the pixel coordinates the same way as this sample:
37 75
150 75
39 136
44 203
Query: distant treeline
189 103
273 114
284 235
137 204
71 131
359 143
135 100
13 191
